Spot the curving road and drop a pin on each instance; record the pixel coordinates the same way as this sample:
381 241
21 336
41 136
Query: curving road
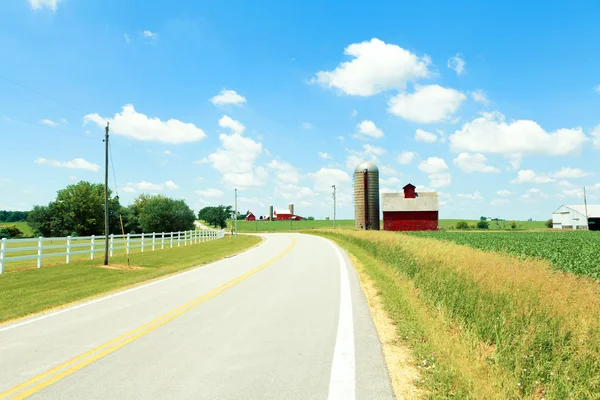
284 320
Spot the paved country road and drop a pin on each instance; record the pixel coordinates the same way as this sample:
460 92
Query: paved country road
284 320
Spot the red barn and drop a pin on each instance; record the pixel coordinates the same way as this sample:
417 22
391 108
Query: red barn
250 217
410 211
285 215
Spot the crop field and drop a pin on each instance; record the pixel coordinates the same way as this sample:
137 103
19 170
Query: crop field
521 225
575 252
280 226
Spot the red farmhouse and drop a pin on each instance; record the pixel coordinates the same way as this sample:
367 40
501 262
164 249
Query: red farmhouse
410 211
250 217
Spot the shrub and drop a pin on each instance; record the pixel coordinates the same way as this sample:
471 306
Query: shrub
13 230
481 224
549 223
513 225
311 218
4 233
462 225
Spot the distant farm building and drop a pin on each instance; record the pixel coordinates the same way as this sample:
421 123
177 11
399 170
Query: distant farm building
250 217
574 217
366 196
410 211
285 215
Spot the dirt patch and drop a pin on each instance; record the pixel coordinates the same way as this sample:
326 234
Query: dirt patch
398 358
121 267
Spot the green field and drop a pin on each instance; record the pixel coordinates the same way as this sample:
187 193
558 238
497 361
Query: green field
31 291
23 226
575 252
521 225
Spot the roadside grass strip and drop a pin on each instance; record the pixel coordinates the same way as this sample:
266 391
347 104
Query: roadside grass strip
25 292
493 325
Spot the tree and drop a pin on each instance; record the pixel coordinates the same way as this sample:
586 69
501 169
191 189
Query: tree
462 225
4 233
483 218
483 224
12 230
513 225
78 208
163 214
311 218
13 216
549 223
216 216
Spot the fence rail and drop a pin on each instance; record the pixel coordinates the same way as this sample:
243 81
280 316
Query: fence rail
44 248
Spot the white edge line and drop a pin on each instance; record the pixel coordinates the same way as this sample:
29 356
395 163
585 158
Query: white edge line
110 296
342 384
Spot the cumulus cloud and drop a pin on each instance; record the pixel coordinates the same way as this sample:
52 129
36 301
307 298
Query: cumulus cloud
325 156
376 67
424 136
406 157
235 126
392 181
285 172
137 126
499 202
534 195
468 162
490 133
503 193
212 193
150 35
570 173
325 177
171 185
427 104
597 88
39 4
228 97
369 153
145 186
596 137
480 96
387 170
530 176
76 163
475 196
368 129
457 64
436 168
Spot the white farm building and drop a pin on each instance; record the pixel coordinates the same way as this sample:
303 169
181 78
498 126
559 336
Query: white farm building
574 217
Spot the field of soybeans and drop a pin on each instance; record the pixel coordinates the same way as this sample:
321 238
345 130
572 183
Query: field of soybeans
577 252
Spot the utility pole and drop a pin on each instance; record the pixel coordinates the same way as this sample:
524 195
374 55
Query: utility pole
586 214
236 215
106 195
333 186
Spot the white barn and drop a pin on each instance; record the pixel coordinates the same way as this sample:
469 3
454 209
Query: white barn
574 217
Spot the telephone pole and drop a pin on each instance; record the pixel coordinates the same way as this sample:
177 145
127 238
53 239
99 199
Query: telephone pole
587 223
106 195
236 214
333 186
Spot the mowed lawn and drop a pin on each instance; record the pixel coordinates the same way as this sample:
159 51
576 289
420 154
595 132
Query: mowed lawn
26 292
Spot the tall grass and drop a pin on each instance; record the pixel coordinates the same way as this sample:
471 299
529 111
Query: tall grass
539 329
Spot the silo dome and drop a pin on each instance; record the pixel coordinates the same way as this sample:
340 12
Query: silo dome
369 166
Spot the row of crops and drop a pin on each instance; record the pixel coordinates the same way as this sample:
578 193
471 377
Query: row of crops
577 252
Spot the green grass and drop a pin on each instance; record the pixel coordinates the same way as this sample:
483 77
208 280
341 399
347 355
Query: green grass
521 225
574 251
23 226
495 326
282 226
26 292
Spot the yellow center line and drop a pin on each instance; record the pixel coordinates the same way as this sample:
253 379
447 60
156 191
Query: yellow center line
75 364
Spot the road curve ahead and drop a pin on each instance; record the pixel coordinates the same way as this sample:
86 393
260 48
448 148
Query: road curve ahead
284 320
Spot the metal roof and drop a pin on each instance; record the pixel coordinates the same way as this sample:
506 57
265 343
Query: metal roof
279 212
369 166
593 210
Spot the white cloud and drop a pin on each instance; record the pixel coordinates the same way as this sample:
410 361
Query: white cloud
297 194
369 153
76 163
285 172
480 96
389 171
226 97
150 35
596 137
325 156
367 128
406 157
169 153
325 177
212 193
424 136
376 67
567 193
597 88
235 126
427 104
127 38
534 195
570 173
138 126
457 64
473 163
354 113
499 202
129 189
503 193
48 122
73 177
566 184
307 125
352 161
491 134
389 181
171 185
39 4
529 176
437 169
475 196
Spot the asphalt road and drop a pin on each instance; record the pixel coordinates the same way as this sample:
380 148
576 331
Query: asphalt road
284 320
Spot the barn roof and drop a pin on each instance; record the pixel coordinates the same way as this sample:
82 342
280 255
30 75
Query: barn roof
593 210
425 201
282 212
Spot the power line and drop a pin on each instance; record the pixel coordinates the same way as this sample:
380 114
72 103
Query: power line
52 127
113 168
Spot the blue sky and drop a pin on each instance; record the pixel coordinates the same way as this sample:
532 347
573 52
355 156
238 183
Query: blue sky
495 106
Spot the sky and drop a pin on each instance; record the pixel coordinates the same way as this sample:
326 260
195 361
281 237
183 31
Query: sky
493 105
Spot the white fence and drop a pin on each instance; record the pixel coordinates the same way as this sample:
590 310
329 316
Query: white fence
43 248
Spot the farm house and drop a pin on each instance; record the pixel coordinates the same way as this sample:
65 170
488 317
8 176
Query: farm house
410 211
574 217
250 217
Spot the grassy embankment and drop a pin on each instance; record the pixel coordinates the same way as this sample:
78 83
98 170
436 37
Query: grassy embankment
26 292
484 325
23 227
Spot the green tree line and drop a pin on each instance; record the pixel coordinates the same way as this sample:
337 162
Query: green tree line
13 216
